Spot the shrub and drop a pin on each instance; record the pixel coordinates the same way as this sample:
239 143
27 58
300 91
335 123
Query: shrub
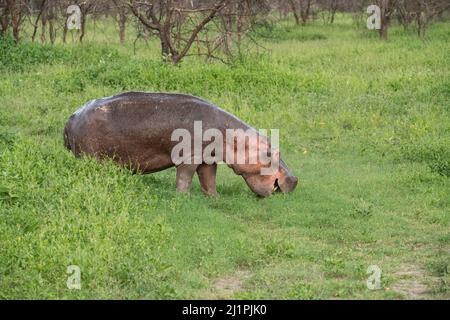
20 56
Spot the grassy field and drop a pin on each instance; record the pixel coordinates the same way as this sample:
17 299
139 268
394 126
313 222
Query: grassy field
364 124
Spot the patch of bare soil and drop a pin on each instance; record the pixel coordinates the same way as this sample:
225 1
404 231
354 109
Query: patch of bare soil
225 287
413 282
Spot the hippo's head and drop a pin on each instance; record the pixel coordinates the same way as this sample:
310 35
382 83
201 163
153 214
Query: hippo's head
264 185
268 173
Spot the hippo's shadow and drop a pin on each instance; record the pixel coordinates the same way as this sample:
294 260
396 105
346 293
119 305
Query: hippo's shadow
164 182
231 188
160 181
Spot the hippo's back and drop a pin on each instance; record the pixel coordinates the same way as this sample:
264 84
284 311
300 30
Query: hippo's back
144 105
136 127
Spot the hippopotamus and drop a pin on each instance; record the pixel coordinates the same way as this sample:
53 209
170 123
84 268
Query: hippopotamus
135 130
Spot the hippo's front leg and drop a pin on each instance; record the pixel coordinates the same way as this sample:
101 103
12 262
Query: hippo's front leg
185 172
207 176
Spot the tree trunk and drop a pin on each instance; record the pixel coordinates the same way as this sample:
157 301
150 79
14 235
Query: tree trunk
421 24
333 13
16 32
334 7
36 21
52 31
4 22
304 11
44 26
384 28
35 26
239 24
122 26
16 17
165 44
83 27
65 32
294 11
297 18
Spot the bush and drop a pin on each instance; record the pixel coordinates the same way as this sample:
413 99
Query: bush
20 56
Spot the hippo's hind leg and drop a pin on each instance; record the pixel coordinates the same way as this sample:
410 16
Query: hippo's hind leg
185 172
207 176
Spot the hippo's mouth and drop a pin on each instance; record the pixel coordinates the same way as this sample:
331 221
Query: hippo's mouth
276 187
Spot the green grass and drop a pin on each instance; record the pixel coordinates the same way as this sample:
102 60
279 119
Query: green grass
364 124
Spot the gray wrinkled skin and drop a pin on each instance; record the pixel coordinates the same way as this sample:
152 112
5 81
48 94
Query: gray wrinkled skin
135 128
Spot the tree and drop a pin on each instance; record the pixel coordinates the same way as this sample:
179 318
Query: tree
301 9
427 11
328 9
121 14
333 6
406 12
387 8
4 16
87 7
49 16
12 15
170 21
423 12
